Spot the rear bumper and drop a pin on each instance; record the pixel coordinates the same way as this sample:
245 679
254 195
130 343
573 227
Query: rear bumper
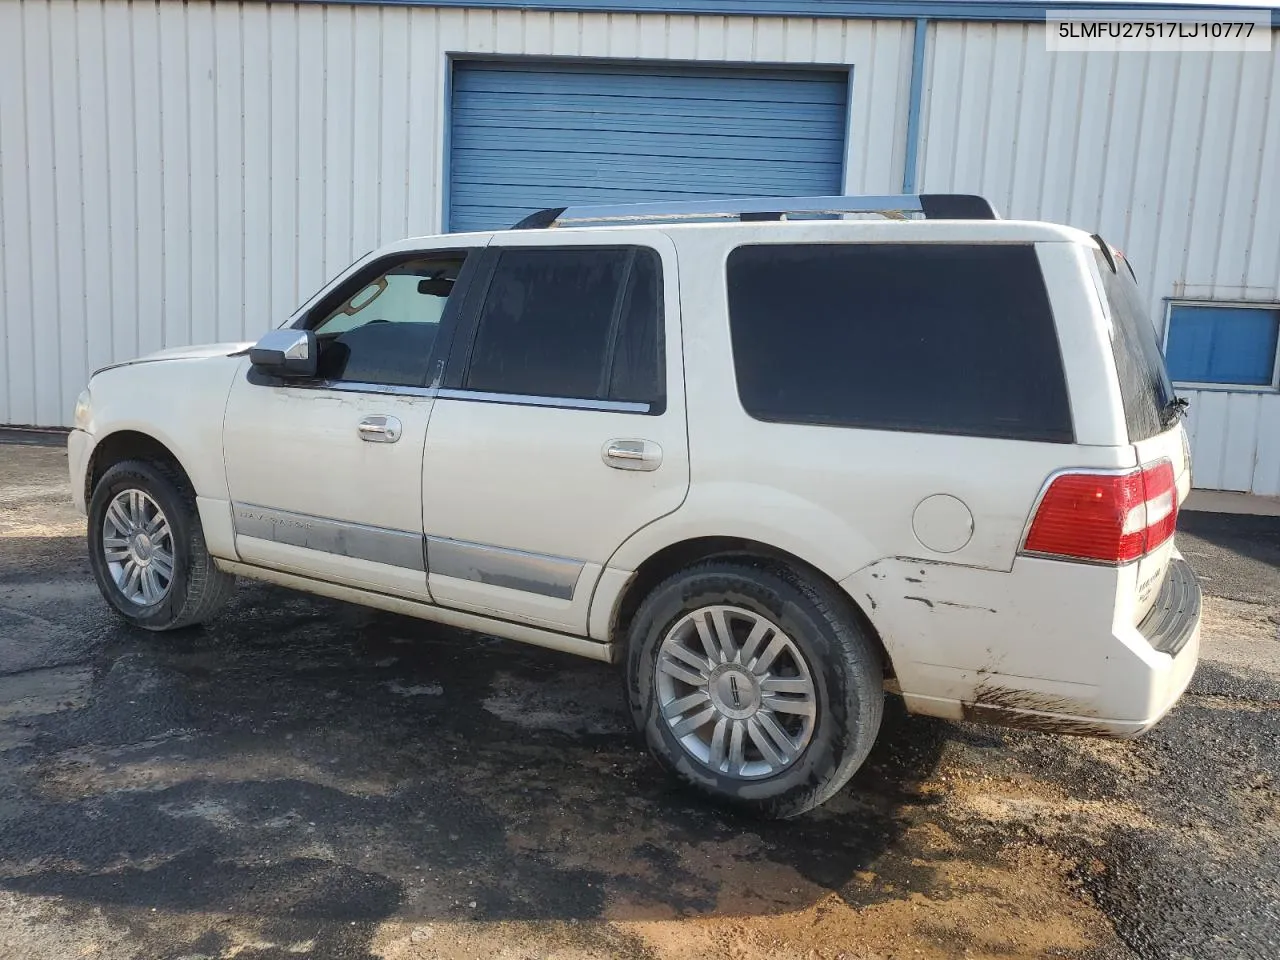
1172 628
1170 684
1039 648
1028 711
1031 710
1175 615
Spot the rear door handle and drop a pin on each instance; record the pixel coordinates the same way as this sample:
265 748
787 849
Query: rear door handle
632 454
380 429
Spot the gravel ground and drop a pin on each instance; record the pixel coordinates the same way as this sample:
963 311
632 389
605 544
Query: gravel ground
311 779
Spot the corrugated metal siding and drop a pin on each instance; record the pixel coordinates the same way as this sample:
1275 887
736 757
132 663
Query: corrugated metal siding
182 172
1171 157
526 136
1235 439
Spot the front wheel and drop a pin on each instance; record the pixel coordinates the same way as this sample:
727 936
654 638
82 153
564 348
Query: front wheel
753 685
147 549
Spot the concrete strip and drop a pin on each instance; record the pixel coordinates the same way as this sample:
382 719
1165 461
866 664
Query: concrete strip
1226 501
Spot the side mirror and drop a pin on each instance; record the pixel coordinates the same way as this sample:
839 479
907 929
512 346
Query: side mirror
285 353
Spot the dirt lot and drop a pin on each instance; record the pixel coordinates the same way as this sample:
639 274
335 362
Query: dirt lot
311 779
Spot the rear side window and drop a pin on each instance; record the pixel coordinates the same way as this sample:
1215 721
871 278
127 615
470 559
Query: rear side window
936 338
1145 389
636 371
582 323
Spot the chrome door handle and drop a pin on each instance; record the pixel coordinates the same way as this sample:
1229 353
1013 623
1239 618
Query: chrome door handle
380 429
632 454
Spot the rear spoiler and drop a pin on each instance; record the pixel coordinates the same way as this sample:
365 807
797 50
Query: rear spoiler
1112 255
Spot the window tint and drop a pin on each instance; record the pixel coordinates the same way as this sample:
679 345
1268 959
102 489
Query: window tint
940 338
1145 390
637 373
383 329
579 323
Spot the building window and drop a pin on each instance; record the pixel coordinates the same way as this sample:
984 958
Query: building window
1223 344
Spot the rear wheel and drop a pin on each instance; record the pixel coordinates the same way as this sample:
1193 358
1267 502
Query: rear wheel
753 685
147 549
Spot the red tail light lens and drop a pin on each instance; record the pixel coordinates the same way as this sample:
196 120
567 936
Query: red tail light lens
1108 518
1161 497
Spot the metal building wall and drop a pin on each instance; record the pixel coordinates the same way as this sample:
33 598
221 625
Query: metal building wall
176 172
183 172
1171 157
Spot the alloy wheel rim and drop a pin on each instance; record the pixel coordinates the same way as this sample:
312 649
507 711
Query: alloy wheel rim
736 692
137 547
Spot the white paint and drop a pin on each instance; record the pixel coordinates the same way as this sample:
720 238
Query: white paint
540 462
942 523
182 173
311 436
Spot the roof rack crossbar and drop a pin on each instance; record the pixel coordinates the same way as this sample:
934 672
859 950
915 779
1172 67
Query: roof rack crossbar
935 206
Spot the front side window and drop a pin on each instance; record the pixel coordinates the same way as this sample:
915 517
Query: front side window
582 323
383 329
932 338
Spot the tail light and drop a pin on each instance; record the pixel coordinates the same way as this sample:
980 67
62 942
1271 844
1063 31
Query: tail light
1105 517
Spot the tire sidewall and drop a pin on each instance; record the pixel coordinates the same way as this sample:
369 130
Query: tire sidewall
136 475
787 607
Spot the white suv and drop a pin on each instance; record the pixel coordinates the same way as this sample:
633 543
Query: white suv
773 466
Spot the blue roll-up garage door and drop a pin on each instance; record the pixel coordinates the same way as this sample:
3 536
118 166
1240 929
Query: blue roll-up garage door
527 136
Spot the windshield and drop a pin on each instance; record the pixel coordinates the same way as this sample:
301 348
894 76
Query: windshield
1145 388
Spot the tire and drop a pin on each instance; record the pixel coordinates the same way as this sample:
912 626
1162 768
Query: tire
845 680
195 590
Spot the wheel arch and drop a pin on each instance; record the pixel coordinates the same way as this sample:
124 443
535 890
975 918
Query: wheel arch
128 444
197 589
682 554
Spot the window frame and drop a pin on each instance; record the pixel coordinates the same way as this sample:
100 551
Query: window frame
1274 306
346 285
453 384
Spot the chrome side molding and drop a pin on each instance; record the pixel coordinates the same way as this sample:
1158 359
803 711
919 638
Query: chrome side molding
536 573
396 548
520 400
474 396
502 567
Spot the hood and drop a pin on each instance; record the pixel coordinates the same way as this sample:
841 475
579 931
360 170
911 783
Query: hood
185 353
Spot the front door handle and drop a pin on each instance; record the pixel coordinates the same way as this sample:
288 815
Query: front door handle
632 454
380 429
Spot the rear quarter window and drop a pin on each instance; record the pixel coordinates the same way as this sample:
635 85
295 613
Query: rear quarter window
1145 389
930 338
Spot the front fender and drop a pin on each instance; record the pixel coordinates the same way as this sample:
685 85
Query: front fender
179 403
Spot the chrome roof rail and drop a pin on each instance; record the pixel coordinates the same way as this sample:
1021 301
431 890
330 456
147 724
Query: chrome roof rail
934 206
